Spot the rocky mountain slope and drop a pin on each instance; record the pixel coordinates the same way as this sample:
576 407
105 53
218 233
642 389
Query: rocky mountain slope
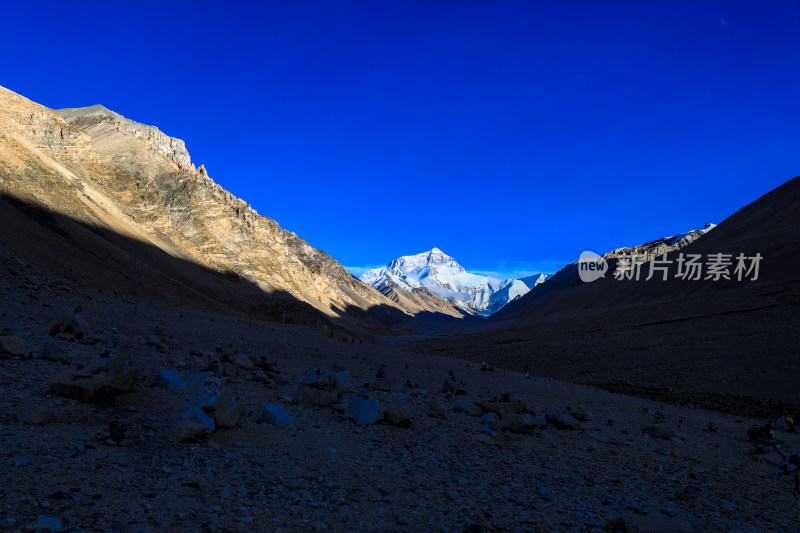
135 183
433 275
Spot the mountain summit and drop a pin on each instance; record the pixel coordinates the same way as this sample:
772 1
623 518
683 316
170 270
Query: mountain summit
438 273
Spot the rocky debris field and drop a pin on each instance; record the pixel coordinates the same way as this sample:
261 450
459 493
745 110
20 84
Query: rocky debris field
123 414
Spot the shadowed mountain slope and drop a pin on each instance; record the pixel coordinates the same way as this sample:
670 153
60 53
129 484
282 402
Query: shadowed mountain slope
676 337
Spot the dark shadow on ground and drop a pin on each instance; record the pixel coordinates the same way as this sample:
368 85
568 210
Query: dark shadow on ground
97 257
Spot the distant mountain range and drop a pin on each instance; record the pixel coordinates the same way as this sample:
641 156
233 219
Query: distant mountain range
433 275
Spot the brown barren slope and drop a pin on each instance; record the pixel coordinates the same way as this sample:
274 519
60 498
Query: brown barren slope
116 192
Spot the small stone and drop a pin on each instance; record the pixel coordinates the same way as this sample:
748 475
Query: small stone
277 416
170 380
362 409
469 408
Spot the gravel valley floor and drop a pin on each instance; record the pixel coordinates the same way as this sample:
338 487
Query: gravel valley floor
123 468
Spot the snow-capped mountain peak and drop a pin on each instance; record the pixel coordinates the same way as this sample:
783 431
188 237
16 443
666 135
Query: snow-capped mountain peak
441 274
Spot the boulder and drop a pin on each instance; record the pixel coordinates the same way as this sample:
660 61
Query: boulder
383 385
362 409
156 343
311 397
436 409
495 439
316 379
469 408
398 412
226 411
171 380
560 418
340 381
100 384
275 415
582 416
339 407
193 424
230 370
491 419
523 422
595 427
54 351
452 386
123 380
785 423
660 431
77 327
773 458
196 381
197 363
12 345
81 385
29 412
243 362
503 409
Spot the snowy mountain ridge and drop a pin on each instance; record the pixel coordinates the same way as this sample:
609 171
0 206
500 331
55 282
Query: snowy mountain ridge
441 274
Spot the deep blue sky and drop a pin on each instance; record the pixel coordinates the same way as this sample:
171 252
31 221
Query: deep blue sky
512 135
